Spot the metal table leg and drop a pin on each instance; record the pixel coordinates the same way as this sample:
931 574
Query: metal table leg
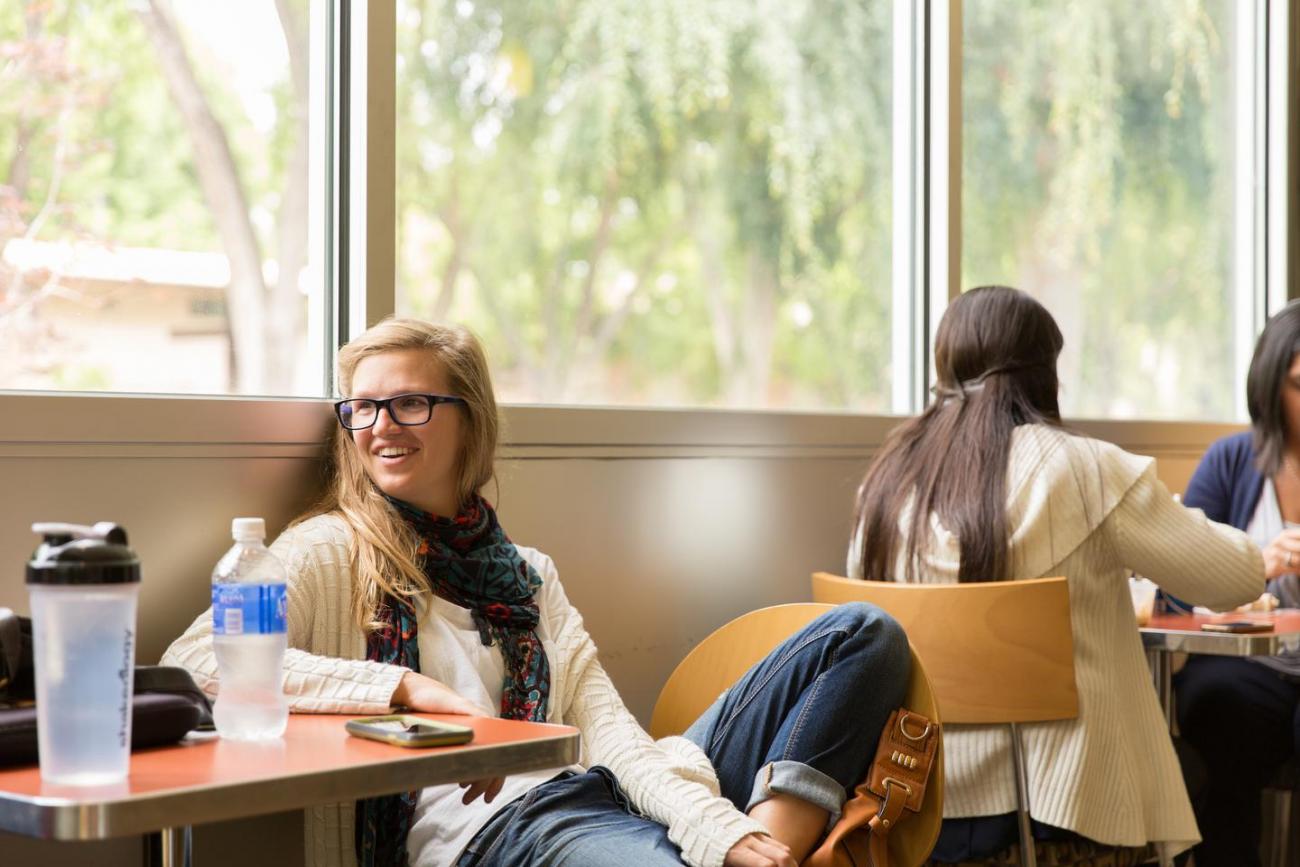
160 848
1162 674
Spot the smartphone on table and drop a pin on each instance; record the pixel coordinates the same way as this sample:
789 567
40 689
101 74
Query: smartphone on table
1238 626
404 730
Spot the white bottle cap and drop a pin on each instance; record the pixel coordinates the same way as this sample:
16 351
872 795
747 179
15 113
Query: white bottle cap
248 529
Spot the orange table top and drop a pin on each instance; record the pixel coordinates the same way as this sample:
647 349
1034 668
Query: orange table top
1182 632
206 779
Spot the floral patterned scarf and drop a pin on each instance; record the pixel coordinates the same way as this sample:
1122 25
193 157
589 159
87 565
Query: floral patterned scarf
469 562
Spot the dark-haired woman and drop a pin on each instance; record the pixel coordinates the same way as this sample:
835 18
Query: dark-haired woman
986 486
1243 715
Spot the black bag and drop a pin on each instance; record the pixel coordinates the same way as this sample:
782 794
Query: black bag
16 669
165 707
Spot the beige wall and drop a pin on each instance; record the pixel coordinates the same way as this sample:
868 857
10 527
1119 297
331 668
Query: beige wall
664 524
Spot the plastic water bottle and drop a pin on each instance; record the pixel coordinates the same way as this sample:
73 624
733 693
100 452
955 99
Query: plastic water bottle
248 635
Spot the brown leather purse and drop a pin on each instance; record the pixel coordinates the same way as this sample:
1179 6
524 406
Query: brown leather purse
895 786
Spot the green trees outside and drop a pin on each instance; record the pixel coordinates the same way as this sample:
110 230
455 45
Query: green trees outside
1098 174
690 203
120 129
674 203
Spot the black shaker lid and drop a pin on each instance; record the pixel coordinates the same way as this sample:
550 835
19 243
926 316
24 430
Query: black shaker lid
76 554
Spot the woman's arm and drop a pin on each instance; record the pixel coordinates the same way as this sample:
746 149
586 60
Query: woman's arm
314 683
1181 550
703 824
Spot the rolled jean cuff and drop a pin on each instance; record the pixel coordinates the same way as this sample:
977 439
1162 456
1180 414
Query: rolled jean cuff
802 781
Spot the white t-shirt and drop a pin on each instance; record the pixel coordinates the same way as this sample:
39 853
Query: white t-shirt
1264 527
452 652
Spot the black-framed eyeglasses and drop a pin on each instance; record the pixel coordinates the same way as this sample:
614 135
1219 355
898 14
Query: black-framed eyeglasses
359 413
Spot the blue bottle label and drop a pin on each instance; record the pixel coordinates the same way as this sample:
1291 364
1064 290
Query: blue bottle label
248 609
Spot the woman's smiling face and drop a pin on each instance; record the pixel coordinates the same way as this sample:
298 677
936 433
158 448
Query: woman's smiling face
416 463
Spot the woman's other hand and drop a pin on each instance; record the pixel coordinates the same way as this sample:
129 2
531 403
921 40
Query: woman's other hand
419 692
759 850
489 789
1282 555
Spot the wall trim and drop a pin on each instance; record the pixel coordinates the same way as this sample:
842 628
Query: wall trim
159 427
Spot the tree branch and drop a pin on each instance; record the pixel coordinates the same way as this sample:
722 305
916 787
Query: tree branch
224 192
450 216
295 43
711 270
599 244
518 346
759 325
57 163
612 323
287 321
20 164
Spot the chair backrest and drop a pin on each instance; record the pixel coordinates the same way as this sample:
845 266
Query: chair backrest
996 652
723 656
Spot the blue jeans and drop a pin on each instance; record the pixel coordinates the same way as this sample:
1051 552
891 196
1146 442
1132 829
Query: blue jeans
804 721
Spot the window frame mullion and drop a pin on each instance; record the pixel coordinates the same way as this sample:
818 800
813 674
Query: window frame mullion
367 136
927 189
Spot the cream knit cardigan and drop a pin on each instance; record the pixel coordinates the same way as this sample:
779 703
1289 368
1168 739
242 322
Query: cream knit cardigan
1087 510
670 781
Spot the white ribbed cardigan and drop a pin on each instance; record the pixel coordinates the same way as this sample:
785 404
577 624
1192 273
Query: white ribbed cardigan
670 781
1091 512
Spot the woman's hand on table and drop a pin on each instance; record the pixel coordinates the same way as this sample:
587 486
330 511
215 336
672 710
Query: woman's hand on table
420 692
1282 555
759 850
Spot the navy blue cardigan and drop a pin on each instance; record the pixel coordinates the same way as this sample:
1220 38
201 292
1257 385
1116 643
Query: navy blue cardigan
1226 485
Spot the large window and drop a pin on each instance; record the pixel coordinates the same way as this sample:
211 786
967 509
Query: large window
1110 168
683 202
679 203
155 229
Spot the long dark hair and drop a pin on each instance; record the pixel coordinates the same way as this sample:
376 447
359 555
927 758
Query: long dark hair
995 362
1274 351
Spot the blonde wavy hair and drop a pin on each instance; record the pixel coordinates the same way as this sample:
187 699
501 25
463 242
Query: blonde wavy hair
382 547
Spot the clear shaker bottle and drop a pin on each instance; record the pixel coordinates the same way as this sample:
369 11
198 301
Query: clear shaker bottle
83 583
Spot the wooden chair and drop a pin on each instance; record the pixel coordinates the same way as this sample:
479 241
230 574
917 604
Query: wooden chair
1000 652
721 658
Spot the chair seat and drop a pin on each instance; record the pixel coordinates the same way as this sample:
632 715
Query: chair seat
722 657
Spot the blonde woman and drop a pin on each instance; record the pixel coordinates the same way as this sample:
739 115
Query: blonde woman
404 590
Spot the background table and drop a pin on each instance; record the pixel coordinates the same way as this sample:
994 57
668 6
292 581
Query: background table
1174 633
317 761
1182 632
